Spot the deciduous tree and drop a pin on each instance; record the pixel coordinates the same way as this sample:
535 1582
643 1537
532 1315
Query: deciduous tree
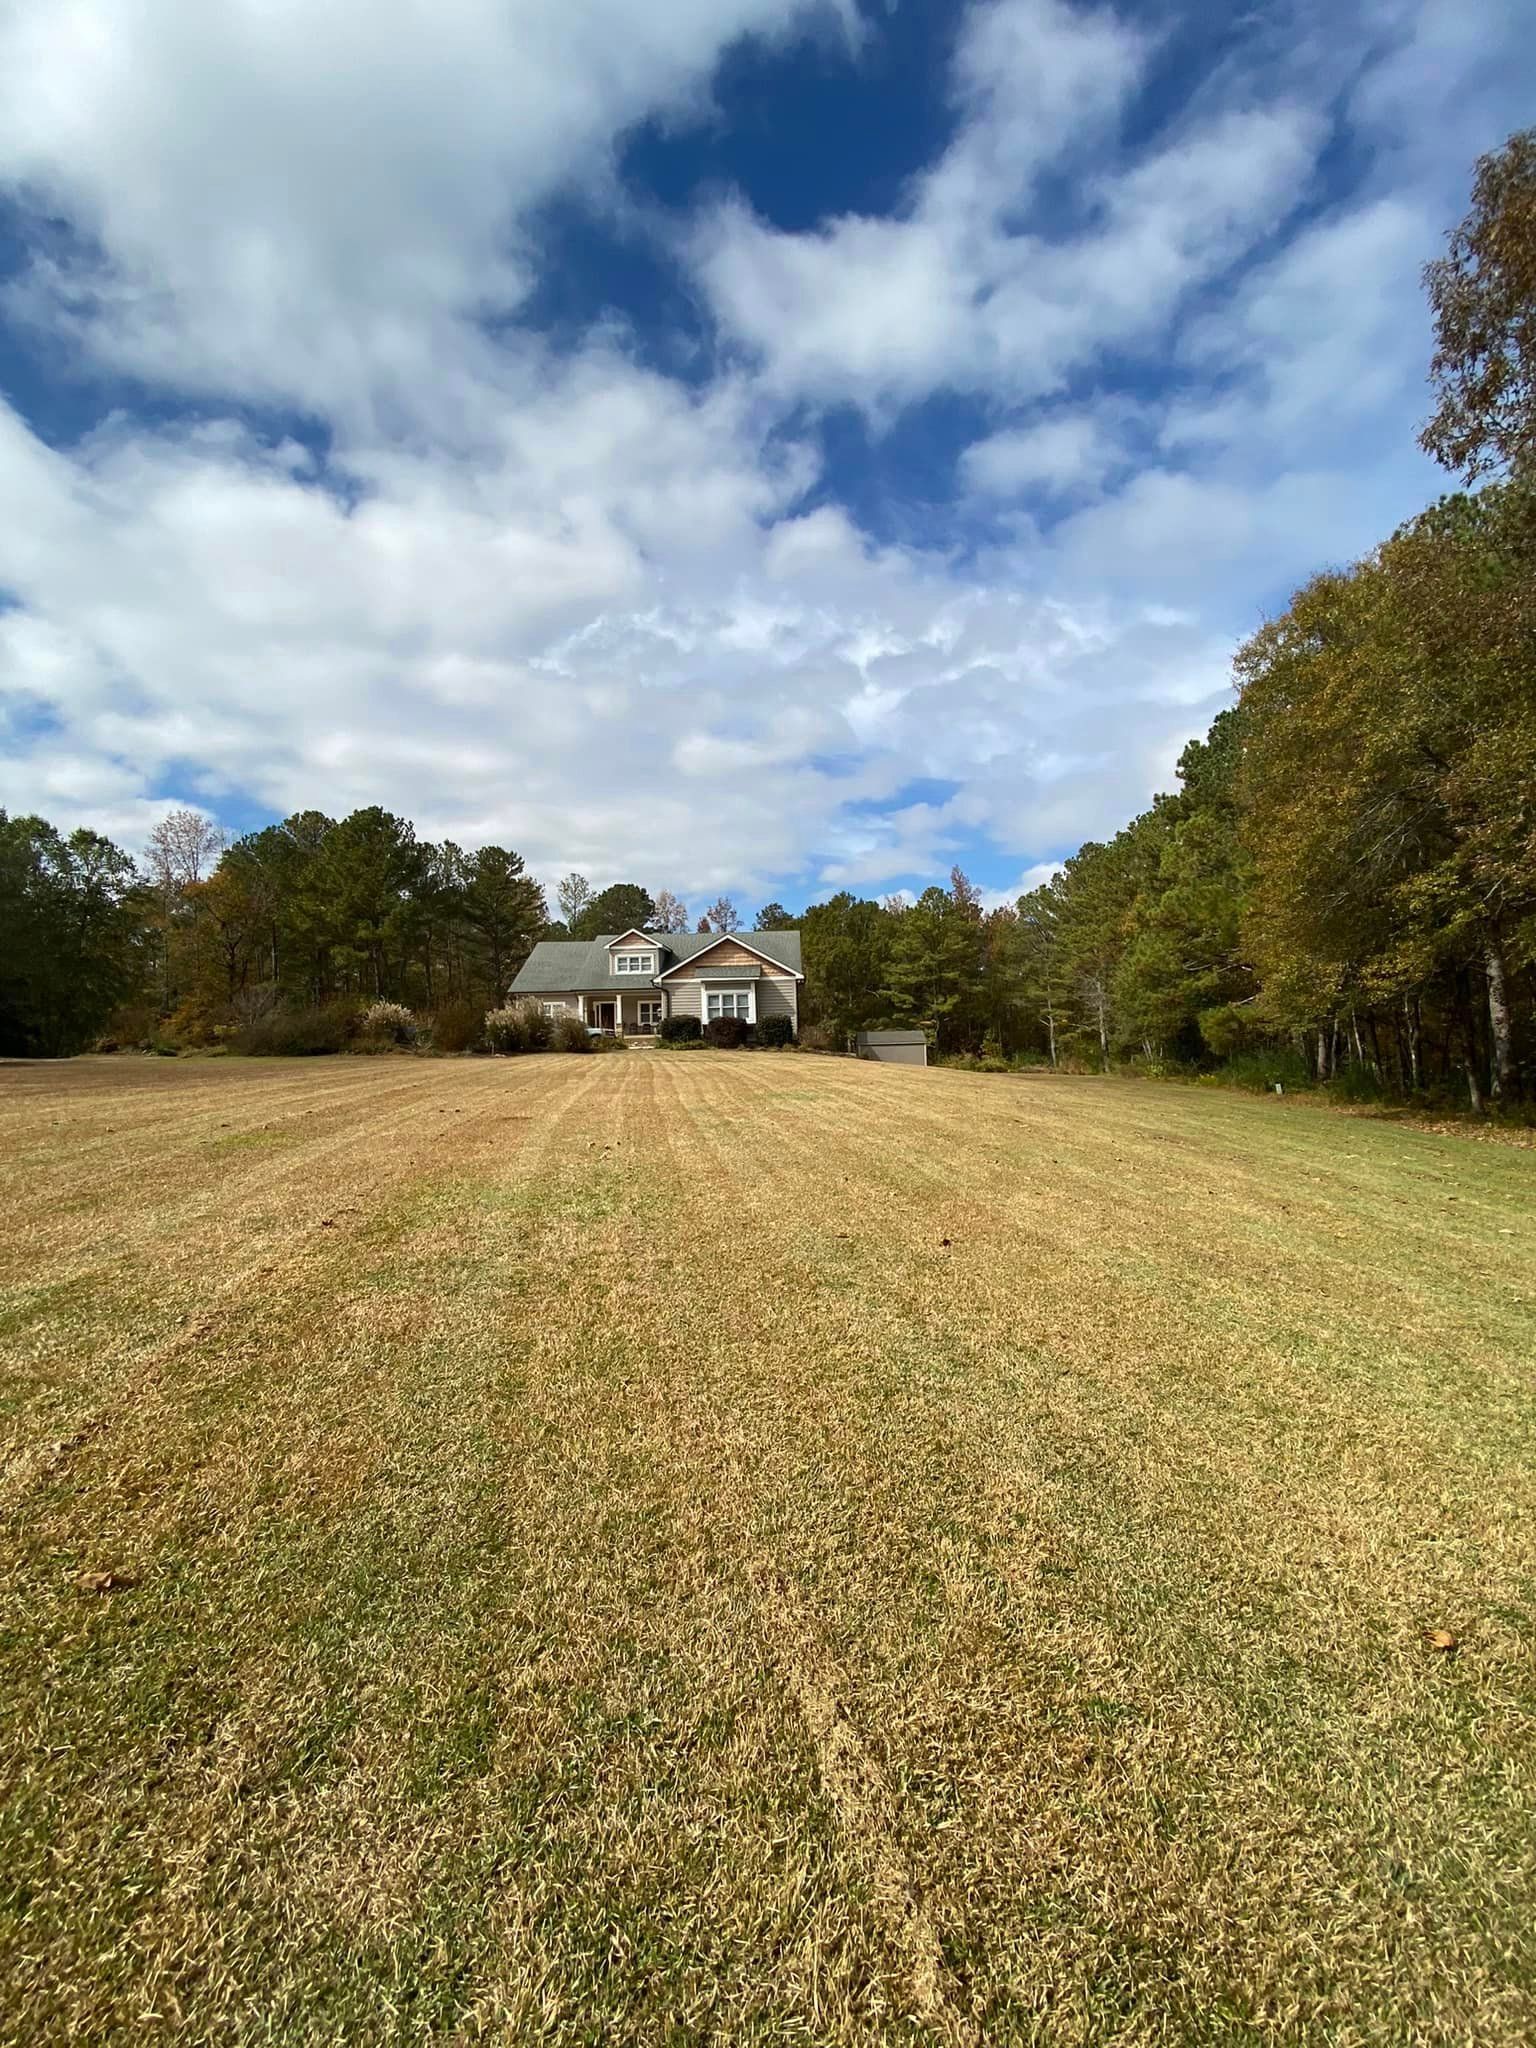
671 914
1482 293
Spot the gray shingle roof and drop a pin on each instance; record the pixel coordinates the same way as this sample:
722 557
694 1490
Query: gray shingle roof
567 966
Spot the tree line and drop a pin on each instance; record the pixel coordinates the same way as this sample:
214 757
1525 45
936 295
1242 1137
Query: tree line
1341 888
207 937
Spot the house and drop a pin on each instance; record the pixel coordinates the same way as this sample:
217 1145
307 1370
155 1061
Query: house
632 982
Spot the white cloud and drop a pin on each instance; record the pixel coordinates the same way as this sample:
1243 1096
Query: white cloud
1067 452
579 607
489 649
965 287
1034 877
310 203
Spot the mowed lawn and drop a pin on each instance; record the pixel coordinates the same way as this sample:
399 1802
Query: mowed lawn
757 1548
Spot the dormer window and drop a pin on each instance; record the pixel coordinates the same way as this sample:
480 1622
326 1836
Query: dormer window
634 963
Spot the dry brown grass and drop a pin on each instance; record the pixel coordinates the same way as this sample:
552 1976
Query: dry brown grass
753 1548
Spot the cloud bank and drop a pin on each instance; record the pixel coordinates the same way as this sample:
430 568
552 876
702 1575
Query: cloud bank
309 508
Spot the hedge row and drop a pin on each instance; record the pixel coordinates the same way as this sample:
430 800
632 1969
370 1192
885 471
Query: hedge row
460 1027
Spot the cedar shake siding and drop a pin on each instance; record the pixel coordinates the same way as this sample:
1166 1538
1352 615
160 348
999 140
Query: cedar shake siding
724 953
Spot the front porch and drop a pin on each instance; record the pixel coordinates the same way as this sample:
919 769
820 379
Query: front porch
628 1015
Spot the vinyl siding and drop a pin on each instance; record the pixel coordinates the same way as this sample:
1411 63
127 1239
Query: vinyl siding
776 995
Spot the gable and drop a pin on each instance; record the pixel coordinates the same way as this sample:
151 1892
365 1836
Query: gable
730 951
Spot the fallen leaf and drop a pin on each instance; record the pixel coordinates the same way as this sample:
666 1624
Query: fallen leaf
104 1582
1440 1639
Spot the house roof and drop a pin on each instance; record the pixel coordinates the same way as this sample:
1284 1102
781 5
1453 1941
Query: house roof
583 966
753 942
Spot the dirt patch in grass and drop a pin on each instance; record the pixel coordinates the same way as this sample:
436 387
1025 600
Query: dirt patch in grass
759 1551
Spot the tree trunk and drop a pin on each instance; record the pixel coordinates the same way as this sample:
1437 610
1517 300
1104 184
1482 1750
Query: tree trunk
1376 1059
1411 1037
1354 1032
1498 1022
1471 1060
1050 1025
1322 1053
1473 1090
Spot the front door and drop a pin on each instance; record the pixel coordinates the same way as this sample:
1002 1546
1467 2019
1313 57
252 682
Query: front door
602 1016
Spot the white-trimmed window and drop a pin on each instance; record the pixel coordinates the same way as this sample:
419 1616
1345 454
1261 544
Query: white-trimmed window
728 1002
647 1013
553 1009
634 963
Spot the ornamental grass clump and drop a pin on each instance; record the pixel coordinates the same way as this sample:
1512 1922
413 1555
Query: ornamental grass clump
517 1027
387 1024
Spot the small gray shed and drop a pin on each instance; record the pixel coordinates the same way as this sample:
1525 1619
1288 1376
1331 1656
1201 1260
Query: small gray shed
904 1048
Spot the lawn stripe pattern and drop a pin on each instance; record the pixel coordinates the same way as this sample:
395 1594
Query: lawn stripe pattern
758 1548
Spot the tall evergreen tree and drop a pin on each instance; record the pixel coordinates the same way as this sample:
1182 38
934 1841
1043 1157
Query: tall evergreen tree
505 909
623 907
73 924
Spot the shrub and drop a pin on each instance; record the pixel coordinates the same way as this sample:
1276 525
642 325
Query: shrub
680 1030
299 1033
389 1024
253 1005
538 1029
727 1032
456 1027
1358 1082
608 1041
775 1030
517 1027
1262 1069
503 1030
194 1022
822 1038
570 1035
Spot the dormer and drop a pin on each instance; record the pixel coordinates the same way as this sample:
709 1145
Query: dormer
635 956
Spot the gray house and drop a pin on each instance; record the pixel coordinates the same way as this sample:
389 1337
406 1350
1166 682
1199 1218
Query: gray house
631 982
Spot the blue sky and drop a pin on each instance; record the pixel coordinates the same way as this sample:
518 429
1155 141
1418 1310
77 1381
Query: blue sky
721 444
